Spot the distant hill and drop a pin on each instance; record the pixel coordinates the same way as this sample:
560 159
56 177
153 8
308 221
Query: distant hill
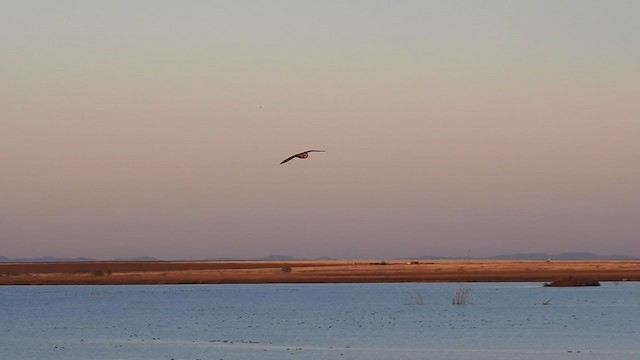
266 258
139 258
271 258
45 259
525 256
276 258
535 256
431 257
75 259
561 256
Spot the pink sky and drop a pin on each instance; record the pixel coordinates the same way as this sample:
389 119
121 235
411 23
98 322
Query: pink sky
157 129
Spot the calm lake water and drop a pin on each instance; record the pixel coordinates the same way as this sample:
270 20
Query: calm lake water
328 321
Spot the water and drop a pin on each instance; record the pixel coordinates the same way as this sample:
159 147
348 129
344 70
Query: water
327 321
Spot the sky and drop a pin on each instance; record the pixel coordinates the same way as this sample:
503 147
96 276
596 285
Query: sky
156 128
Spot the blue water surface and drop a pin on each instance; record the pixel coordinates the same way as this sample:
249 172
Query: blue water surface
320 321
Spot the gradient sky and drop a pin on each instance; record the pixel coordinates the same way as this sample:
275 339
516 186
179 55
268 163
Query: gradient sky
156 128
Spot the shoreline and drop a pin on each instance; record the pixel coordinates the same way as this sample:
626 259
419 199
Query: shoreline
301 271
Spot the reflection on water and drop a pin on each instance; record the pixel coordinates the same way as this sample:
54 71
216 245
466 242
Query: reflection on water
327 321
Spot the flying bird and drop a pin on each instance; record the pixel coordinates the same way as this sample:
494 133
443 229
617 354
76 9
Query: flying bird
302 155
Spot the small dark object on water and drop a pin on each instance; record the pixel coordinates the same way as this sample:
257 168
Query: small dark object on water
571 281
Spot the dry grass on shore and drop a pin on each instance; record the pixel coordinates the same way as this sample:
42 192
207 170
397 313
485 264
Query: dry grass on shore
337 271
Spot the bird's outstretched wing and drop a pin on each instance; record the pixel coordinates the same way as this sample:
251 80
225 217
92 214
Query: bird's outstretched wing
288 159
302 155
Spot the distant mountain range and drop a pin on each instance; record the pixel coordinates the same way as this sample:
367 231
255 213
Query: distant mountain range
44 259
562 256
148 258
527 256
74 259
539 256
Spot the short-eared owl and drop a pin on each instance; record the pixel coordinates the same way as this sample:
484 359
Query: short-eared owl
302 155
